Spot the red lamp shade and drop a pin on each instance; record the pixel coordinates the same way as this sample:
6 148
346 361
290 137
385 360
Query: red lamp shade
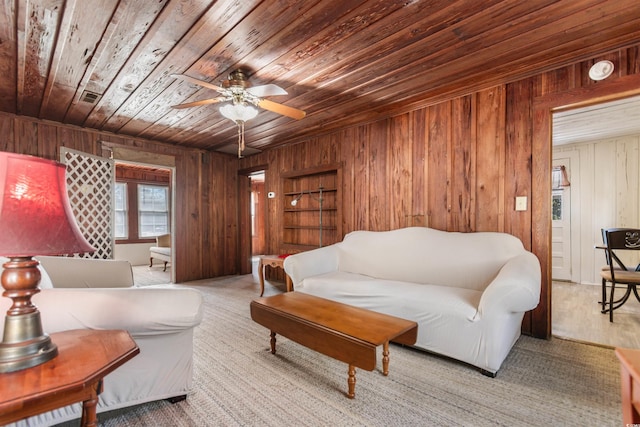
35 215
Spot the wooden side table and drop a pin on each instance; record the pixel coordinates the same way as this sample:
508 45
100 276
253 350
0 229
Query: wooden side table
630 385
84 358
272 261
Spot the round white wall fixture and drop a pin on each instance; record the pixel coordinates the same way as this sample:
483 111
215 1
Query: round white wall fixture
601 70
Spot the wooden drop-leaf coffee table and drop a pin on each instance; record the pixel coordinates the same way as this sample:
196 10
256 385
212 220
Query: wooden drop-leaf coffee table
346 333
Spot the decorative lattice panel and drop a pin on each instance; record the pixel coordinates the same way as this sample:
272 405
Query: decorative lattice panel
90 186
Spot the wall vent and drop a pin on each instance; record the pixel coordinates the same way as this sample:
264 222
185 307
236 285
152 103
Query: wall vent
90 97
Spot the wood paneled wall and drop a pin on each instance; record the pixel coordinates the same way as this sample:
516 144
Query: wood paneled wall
456 165
206 216
452 166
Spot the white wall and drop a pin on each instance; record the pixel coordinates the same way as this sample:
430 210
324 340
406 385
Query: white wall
608 196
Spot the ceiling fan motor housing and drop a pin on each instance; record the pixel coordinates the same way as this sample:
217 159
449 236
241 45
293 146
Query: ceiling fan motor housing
236 80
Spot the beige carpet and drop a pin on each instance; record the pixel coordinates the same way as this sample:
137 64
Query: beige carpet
238 382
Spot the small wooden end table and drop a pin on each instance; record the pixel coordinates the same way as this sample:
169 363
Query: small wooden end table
346 333
84 358
630 385
273 261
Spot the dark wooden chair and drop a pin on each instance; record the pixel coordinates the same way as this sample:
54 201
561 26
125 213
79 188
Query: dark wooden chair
616 272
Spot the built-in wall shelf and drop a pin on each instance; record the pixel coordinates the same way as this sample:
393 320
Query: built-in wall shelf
314 219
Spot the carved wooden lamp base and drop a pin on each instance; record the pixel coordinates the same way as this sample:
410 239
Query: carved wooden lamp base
24 344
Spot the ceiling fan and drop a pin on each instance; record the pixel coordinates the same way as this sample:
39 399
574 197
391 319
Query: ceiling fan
237 89
241 99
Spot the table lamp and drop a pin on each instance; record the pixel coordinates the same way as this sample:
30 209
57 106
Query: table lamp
35 219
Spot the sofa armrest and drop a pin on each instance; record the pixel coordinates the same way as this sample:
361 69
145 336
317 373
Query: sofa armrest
515 289
311 263
150 310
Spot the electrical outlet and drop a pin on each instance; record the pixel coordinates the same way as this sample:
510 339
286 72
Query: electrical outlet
521 203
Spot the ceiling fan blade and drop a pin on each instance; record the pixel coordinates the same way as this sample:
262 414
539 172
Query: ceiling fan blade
294 113
201 102
198 82
266 90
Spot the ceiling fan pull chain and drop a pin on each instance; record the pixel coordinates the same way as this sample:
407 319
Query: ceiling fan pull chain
240 124
239 140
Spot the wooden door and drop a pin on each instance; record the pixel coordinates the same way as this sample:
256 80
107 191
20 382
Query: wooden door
258 240
561 228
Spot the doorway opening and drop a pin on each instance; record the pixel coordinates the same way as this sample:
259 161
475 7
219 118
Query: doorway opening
257 212
144 207
253 228
599 148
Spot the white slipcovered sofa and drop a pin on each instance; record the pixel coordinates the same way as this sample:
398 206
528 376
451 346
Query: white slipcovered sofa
161 319
468 292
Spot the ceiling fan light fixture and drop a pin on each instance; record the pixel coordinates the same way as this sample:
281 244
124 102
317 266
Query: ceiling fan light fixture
239 112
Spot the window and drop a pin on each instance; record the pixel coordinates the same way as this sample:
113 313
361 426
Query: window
142 207
556 206
153 210
121 212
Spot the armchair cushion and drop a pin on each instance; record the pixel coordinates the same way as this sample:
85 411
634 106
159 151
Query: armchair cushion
66 272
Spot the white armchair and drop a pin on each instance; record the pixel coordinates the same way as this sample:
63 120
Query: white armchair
161 251
161 319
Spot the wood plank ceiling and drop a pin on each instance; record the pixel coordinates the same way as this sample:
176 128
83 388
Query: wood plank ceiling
107 64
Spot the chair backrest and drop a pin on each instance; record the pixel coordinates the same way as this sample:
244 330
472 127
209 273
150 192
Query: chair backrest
603 231
620 239
163 241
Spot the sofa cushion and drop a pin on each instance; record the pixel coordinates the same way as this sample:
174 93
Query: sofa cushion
425 255
443 312
160 250
403 299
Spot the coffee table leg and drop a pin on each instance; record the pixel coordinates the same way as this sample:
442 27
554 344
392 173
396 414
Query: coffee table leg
352 382
385 358
273 342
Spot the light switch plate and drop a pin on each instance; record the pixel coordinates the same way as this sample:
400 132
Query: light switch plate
521 203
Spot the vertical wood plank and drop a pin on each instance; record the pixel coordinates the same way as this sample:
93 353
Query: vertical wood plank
438 166
361 177
626 170
462 172
400 162
26 135
490 160
419 168
346 145
7 138
378 178
518 159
